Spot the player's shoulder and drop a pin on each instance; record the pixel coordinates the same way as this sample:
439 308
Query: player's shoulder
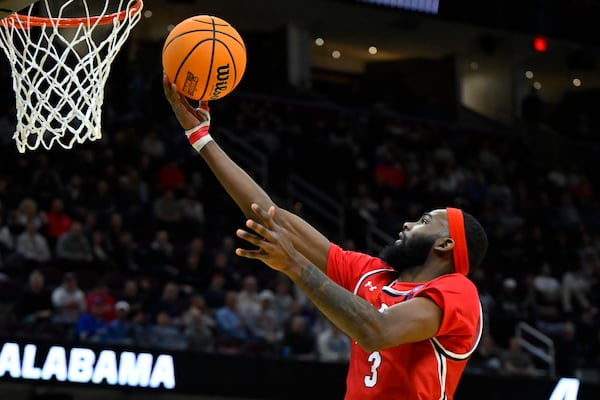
454 280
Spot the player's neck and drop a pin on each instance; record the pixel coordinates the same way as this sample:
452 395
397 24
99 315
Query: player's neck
425 273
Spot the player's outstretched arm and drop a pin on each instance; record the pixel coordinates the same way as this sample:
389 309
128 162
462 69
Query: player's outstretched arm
238 184
410 321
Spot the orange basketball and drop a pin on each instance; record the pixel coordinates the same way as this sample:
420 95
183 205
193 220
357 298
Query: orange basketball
205 57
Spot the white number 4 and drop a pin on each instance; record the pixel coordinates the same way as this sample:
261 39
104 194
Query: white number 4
565 389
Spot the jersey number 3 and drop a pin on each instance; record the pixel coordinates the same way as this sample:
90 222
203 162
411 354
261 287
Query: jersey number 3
375 360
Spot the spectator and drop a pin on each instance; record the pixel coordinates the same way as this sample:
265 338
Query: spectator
33 246
517 362
152 145
102 291
216 292
231 329
508 311
171 176
58 220
169 302
73 247
161 256
388 172
199 326
248 299
34 305
28 211
333 345
193 275
264 327
127 253
68 301
131 295
101 256
284 300
223 264
163 334
298 341
120 329
575 286
91 325
192 212
167 211
547 306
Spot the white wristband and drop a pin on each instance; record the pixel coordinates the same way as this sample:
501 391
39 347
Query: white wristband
200 143
198 136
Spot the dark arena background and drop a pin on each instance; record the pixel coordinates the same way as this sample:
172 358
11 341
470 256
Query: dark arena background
358 115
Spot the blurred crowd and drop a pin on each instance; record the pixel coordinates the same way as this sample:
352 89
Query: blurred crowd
129 240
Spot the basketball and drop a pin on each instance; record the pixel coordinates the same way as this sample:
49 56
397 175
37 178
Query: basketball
205 57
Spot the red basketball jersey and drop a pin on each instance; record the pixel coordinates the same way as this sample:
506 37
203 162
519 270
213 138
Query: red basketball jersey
429 369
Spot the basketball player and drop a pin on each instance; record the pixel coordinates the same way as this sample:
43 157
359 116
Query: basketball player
413 315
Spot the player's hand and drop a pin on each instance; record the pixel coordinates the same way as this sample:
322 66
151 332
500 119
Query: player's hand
274 244
188 116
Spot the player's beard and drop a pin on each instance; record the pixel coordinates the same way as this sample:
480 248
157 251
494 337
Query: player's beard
409 253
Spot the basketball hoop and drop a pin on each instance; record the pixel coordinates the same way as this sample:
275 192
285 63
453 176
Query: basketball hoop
60 64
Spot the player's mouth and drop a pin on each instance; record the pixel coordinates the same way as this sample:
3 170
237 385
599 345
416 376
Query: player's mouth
402 236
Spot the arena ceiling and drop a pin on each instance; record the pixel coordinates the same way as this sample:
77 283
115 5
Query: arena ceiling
351 28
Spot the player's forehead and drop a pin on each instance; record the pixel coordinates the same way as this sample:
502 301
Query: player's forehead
438 215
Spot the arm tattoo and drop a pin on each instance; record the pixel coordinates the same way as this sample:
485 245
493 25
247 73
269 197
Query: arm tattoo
346 310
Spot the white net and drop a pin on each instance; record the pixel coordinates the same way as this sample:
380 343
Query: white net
60 65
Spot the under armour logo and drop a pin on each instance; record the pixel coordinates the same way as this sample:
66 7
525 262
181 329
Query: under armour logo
370 286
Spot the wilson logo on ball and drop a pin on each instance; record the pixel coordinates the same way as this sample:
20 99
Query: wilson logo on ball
221 85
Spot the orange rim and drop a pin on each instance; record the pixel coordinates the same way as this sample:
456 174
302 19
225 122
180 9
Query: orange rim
26 21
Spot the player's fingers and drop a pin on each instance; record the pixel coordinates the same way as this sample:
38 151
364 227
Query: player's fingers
173 96
255 254
168 87
249 237
261 230
265 217
259 253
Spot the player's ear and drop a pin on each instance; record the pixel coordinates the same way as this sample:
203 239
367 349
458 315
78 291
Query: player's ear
443 244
